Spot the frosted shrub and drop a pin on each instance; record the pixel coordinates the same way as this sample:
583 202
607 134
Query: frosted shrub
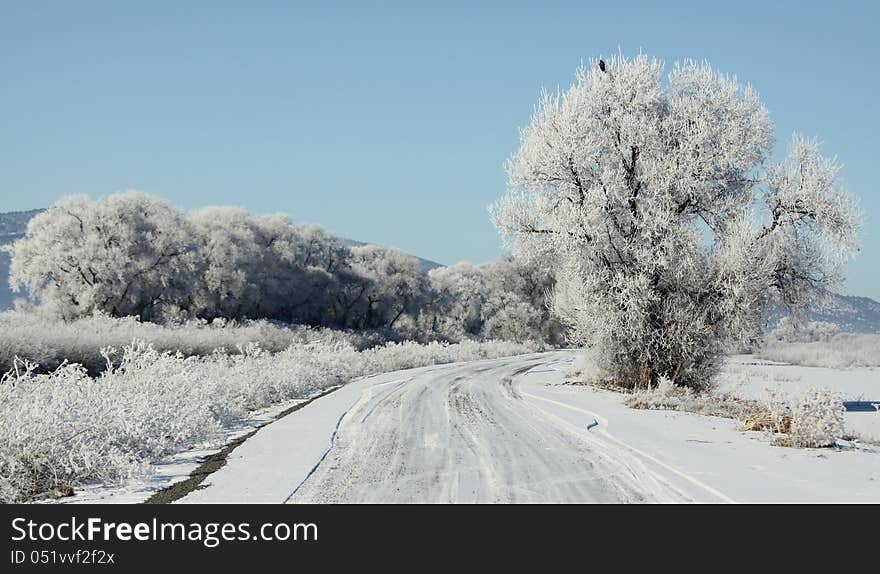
164 401
817 418
814 418
49 342
58 429
665 387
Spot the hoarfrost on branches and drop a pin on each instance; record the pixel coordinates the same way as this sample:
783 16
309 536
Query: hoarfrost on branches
132 254
670 229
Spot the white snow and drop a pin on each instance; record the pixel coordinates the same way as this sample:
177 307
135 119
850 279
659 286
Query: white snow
743 466
458 433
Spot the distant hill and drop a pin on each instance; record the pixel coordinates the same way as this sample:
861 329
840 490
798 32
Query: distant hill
850 313
14 223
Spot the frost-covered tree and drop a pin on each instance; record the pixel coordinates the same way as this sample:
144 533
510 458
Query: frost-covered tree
129 254
251 265
276 272
670 227
458 294
228 243
396 286
318 249
517 307
328 288
504 299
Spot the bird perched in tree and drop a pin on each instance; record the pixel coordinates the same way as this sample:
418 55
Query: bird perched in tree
602 65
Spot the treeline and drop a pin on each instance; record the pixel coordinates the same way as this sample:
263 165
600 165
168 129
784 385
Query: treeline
133 254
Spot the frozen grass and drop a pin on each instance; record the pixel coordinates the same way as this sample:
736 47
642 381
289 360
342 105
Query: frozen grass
30 336
64 427
667 396
839 351
813 418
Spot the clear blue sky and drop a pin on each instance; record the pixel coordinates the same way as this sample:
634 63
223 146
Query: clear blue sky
384 122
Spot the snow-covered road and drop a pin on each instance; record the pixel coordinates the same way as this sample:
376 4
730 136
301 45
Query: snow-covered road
465 434
471 432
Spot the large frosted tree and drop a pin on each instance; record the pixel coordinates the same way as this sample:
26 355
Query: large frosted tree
671 229
129 254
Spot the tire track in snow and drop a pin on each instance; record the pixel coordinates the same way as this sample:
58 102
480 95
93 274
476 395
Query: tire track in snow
603 430
466 434
333 439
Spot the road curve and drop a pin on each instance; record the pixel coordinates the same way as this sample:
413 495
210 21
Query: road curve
466 434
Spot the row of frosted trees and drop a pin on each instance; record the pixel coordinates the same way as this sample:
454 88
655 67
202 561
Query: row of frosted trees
133 254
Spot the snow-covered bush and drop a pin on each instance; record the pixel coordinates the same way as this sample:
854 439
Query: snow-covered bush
49 342
45 441
817 418
772 414
670 230
812 418
61 428
842 350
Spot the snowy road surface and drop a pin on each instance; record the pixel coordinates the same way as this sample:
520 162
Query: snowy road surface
465 434
471 432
